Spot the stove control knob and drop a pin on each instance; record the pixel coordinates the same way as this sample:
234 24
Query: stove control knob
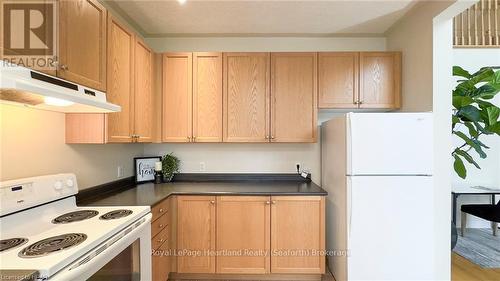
58 185
69 183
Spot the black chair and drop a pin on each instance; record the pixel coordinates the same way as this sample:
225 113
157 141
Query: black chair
487 212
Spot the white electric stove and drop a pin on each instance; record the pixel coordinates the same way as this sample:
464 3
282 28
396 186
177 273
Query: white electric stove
42 229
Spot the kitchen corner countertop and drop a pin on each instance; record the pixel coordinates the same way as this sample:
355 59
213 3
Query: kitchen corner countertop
149 194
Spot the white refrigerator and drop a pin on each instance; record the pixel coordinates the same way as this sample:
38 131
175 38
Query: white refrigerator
377 169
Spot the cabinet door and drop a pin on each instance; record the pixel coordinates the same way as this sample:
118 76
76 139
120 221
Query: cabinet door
298 223
120 81
293 97
380 79
243 224
82 43
143 93
161 263
246 97
338 80
207 97
196 233
177 97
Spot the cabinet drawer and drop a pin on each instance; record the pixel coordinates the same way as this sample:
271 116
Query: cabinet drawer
159 239
160 209
158 225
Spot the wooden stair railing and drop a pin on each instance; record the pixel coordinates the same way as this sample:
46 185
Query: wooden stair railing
478 26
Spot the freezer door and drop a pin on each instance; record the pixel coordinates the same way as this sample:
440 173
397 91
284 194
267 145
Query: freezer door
389 144
390 228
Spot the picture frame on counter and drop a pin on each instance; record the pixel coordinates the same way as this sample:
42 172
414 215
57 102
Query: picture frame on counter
144 168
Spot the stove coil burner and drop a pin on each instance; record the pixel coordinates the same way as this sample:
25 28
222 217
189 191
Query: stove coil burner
75 216
52 244
7 244
116 214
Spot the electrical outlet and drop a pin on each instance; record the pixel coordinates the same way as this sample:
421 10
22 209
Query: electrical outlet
202 167
119 172
298 167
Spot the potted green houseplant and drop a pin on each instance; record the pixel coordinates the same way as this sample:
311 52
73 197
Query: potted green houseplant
170 166
473 115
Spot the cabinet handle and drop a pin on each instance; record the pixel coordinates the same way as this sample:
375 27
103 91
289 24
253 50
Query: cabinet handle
160 240
272 137
189 139
267 202
267 137
194 138
64 67
160 226
212 202
360 102
274 202
161 210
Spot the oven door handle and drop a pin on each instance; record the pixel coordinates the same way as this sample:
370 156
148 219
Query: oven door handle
93 261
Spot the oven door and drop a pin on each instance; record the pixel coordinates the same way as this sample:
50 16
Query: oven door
125 256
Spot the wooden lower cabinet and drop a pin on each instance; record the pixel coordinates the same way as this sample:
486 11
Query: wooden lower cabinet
243 234
196 234
247 235
297 234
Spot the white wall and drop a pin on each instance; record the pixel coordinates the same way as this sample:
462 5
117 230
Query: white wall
424 35
413 36
472 60
243 158
32 144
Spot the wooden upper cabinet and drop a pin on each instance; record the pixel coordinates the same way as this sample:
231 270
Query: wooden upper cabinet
298 222
196 232
380 80
246 97
120 81
82 43
293 97
177 97
207 97
243 223
338 79
143 93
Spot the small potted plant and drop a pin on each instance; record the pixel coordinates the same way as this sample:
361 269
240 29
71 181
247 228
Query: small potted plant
170 166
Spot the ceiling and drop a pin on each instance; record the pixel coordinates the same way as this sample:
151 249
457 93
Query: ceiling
164 18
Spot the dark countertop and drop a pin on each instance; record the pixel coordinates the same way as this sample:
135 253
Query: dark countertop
149 194
19 275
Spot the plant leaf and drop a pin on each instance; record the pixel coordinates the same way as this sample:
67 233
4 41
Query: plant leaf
494 128
471 143
486 92
459 101
495 80
493 113
459 167
478 142
472 130
458 71
485 74
467 157
471 113
483 104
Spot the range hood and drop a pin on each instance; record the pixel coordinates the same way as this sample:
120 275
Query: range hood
20 85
